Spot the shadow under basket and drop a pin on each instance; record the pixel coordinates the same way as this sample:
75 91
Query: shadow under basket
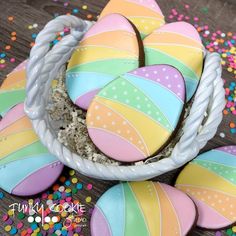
200 124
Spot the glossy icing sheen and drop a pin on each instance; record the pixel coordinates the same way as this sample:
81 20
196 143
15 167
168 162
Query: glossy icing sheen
108 49
144 14
26 166
210 180
134 115
12 90
143 209
177 44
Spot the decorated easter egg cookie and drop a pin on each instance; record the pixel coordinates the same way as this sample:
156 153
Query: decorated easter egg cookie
26 166
135 115
12 90
108 49
143 209
210 180
145 15
177 44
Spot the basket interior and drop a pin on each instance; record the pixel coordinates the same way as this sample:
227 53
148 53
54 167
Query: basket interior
68 124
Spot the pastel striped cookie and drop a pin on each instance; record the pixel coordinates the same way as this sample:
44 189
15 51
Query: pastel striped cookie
210 180
108 49
146 15
26 166
12 90
134 116
143 209
177 44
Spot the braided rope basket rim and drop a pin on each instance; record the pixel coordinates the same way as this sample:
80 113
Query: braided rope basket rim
43 66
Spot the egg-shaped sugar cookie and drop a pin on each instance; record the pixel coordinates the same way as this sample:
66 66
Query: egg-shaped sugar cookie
177 44
12 90
26 166
210 180
145 15
134 116
143 209
108 49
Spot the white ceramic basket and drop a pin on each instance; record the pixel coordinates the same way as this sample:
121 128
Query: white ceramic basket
45 63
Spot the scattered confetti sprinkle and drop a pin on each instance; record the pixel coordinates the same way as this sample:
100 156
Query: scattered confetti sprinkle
61 193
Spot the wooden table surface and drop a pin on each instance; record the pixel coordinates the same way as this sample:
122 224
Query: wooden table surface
221 15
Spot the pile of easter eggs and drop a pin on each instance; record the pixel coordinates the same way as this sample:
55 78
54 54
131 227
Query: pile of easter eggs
134 73
204 195
26 166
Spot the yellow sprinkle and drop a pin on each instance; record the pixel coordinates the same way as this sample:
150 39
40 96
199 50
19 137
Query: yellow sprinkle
46 226
10 212
63 214
84 7
229 69
7 228
234 229
31 201
2 61
34 234
223 62
68 190
71 172
88 199
75 234
224 55
74 180
37 230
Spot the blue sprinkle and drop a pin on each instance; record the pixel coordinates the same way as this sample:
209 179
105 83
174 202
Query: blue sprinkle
57 226
13 231
34 226
79 186
34 35
64 232
1 195
75 10
2 55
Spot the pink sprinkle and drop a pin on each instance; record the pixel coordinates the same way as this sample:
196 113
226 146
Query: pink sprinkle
44 196
196 18
29 230
89 186
2 66
68 199
234 112
20 225
171 16
5 217
12 60
186 6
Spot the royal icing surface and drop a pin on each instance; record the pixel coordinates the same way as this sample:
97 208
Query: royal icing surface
177 44
143 209
145 15
108 49
134 115
26 166
12 90
210 180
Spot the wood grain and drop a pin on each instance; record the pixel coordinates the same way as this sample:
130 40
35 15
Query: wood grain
221 15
